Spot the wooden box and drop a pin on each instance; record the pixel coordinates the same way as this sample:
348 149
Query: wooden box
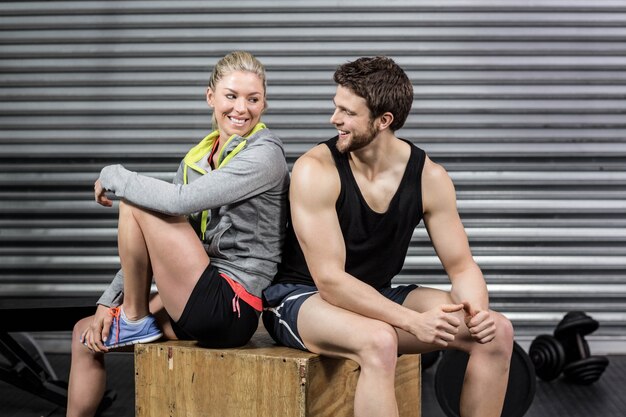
178 378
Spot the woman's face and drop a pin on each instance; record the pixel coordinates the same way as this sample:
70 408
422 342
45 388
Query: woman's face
237 102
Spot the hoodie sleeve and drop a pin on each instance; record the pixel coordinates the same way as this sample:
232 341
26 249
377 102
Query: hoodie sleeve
113 296
253 171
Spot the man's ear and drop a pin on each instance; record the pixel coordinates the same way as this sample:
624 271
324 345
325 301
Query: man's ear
385 120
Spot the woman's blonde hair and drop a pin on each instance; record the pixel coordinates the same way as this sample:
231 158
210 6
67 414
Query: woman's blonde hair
236 61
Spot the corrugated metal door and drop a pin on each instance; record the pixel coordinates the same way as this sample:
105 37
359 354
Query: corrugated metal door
522 102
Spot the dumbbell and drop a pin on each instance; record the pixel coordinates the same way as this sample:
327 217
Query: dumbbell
581 367
548 357
568 351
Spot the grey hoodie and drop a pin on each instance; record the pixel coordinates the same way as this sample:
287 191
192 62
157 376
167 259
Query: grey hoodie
246 200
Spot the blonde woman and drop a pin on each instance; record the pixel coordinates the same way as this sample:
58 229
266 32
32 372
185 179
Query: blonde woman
211 240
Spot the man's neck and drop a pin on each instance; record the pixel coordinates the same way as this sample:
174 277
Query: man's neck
376 157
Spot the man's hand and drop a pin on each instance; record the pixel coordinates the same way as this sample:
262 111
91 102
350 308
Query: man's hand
98 330
480 324
438 326
100 195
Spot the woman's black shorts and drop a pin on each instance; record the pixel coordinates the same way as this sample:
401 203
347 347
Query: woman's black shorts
209 316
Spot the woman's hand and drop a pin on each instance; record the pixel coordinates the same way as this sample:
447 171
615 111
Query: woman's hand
100 195
98 331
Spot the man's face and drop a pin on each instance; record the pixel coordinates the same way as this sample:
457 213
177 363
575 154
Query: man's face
352 119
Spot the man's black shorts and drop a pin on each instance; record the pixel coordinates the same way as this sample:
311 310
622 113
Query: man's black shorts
282 302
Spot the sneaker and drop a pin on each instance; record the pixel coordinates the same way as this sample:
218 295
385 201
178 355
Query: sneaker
123 333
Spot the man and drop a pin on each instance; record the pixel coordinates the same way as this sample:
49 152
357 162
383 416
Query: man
355 201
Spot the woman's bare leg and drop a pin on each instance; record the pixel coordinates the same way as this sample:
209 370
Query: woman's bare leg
87 382
135 262
149 244
165 247
87 375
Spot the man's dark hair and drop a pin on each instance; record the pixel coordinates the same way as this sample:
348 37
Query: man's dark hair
382 83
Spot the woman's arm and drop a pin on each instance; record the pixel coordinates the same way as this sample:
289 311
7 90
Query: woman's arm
113 296
255 169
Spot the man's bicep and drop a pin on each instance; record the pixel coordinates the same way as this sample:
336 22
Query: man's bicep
321 240
313 195
444 225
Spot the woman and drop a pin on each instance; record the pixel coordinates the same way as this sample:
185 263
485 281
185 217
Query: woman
231 190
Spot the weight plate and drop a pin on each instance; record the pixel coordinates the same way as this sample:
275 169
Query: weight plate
451 372
586 371
575 322
548 356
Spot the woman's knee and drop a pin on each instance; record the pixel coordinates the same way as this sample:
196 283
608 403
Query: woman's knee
77 334
380 348
79 327
126 209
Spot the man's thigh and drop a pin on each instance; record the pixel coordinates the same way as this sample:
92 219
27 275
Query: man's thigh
333 331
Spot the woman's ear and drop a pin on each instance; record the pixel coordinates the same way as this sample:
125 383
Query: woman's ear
210 97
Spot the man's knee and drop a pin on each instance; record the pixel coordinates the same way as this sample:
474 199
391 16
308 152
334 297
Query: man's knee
503 340
380 348
504 328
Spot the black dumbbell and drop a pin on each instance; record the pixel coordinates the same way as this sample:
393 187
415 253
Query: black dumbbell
548 356
568 352
581 367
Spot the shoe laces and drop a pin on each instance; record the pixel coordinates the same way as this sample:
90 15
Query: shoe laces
115 313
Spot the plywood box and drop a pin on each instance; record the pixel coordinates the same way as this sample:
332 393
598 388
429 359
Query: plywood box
261 379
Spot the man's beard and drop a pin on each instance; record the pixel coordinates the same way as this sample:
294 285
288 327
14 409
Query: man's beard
358 141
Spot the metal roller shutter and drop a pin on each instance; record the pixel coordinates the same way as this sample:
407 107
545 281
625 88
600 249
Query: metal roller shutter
522 103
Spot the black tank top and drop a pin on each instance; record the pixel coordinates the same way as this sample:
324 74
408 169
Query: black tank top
376 243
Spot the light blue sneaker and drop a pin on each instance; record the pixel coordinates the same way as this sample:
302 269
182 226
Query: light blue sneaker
123 333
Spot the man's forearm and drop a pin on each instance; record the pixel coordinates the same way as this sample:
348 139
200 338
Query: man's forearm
470 286
349 293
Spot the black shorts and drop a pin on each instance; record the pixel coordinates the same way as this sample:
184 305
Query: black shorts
282 302
209 316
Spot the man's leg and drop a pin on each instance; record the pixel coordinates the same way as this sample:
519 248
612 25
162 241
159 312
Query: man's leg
487 371
333 331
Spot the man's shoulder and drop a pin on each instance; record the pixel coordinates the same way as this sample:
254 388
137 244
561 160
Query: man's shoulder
318 157
433 172
437 187
315 171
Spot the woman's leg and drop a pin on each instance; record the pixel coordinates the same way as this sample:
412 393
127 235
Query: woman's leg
166 247
149 244
87 382
87 375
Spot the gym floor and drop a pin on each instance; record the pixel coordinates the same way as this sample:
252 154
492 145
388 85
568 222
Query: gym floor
605 398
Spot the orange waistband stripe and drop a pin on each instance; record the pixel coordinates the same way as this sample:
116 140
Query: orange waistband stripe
252 300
